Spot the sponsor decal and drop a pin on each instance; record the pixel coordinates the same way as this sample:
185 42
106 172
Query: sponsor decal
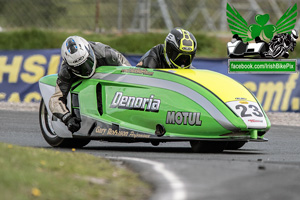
254 120
187 48
137 71
121 133
240 98
79 59
138 135
135 103
190 118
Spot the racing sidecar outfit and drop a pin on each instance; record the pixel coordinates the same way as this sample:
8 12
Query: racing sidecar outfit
104 54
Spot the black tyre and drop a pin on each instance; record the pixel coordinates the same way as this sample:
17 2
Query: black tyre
234 145
286 55
277 52
51 137
262 54
208 146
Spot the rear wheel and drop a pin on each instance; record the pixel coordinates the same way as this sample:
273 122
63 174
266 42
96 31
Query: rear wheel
235 145
49 134
208 146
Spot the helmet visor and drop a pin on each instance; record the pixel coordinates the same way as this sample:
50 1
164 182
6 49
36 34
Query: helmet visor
178 58
86 69
183 60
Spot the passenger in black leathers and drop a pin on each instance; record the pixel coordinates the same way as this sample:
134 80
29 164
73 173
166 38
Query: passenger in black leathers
289 39
80 59
178 51
283 37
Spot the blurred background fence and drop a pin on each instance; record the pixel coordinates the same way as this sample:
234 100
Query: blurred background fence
113 16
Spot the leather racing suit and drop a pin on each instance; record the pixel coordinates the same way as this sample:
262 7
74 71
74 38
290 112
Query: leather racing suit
105 55
283 37
154 58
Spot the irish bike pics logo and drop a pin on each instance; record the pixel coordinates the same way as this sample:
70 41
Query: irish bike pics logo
268 42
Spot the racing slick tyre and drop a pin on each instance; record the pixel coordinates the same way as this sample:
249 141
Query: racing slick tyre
234 145
286 55
51 137
277 52
208 146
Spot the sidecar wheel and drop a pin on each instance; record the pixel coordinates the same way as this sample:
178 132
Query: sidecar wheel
49 134
208 146
235 145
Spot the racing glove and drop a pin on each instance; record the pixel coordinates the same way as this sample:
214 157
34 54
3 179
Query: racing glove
73 123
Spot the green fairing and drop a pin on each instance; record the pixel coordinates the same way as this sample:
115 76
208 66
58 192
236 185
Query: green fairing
49 80
162 107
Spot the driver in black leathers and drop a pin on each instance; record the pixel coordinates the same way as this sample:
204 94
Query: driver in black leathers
288 39
80 59
178 51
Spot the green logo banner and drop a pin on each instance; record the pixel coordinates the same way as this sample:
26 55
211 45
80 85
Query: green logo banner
239 25
272 41
262 66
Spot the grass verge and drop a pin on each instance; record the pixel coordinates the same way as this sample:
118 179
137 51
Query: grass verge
129 43
32 173
209 46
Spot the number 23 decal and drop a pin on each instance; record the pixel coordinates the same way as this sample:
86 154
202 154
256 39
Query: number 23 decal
248 113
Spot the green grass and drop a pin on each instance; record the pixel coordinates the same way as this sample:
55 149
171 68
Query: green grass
130 43
209 46
32 173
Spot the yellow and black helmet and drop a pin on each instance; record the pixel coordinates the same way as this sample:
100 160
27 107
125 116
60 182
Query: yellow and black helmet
180 48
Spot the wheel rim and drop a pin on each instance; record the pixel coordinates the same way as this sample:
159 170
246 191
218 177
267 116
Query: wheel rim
277 52
46 123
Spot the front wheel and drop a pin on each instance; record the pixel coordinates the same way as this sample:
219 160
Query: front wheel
49 134
277 52
208 146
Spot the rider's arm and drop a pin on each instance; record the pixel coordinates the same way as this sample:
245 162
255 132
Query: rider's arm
115 58
57 105
106 55
58 101
150 62
150 59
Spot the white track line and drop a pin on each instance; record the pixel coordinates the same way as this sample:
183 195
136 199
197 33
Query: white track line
177 186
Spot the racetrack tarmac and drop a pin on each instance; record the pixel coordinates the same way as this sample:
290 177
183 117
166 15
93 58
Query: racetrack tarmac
269 170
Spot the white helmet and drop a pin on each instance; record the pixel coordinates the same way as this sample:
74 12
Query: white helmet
79 55
294 35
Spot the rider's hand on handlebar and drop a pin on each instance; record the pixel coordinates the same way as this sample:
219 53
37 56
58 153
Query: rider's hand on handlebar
73 123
